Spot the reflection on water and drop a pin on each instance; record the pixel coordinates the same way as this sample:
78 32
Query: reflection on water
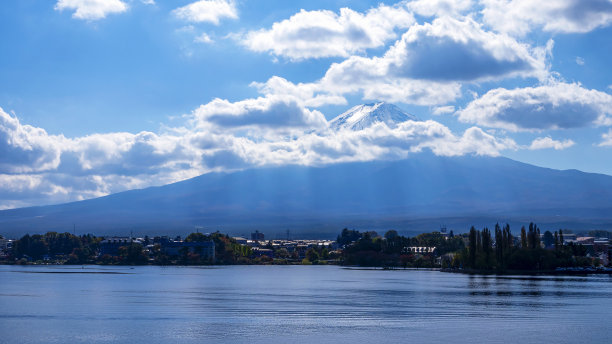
303 304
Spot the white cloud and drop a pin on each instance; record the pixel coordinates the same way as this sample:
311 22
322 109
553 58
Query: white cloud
556 106
317 34
91 9
579 61
270 112
547 142
449 49
518 17
210 11
310 94
427 65
430 8
440 110
25 148
606 139
203 38
37 168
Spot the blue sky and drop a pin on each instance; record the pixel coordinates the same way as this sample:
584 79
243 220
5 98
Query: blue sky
101 96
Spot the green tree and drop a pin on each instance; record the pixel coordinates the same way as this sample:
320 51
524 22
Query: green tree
549 239
472 247
523 237
312 255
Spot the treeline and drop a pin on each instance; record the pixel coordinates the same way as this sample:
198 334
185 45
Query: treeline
526 252
71 249
66 248
391 250
74 249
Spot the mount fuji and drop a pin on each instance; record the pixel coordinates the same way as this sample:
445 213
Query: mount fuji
363 116
412 195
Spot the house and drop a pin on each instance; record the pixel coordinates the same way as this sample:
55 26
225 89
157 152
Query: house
257 236
601 248
206 249
111 245
259 252
240 240
419 249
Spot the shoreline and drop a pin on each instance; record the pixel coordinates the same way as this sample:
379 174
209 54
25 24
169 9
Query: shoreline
569 272
565 272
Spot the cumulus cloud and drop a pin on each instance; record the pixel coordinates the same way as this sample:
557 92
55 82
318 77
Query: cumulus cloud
430 8
317 34
210 11
547 142
24 148
450 49
310 94
91 9
427 66
518 17
274 112
556 106
579 61
606 139
36 167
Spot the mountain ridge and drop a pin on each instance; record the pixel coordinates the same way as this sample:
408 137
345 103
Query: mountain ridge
421 191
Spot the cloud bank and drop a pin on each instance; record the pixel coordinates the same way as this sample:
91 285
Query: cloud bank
318 34
219 136
518 17
556 106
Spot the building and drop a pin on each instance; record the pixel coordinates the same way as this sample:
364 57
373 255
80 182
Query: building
3 244
257 236
259 252
240 240
111 245
569 237
601 248
419 249
206 249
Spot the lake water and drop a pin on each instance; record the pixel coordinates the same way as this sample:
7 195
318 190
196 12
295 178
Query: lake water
296 304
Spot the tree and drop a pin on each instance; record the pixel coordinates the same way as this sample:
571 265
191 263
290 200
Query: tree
486 247
523 237
391 234
472 247
348 236
312 255
197 237
499 245
549 239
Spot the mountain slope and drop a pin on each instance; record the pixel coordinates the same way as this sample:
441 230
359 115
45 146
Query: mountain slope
418 193
362 116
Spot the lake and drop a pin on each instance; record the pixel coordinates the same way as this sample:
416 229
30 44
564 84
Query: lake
299 304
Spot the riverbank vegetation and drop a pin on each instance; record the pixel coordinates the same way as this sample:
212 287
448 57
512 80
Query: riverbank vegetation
482 251
503 252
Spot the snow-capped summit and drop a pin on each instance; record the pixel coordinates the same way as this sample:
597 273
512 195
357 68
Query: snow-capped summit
366 115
